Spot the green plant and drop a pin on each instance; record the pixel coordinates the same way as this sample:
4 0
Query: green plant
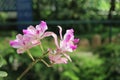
2 73
111 55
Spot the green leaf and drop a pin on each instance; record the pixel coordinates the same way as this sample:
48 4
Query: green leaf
1 61
3 74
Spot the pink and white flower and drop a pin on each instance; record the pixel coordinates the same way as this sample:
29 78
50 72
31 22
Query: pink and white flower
57 59
33 35
36 33
22 43
67 44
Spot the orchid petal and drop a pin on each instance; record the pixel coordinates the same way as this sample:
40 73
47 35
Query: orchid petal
36 42
25 31
29 30
70 31
46 34
57 59
69 35
20 50
15 44
32 28
42 26
61 60
73 47
60 31
64 60
19 36
76 41
67 56
67 38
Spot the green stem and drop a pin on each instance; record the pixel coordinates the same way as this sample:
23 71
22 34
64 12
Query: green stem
46 63
41 47
33 63
26 70
41 59
29 54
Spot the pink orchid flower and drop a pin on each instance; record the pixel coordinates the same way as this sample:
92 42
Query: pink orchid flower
56 58
67 44
22 43
36 33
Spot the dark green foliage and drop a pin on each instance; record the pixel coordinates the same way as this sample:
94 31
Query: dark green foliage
111 56
2 73
70 9
84 66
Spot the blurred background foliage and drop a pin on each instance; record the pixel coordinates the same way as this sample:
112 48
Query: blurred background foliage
73 9
100 64
95 59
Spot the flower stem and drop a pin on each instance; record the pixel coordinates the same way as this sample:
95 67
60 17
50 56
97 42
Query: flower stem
41 59
29 54
26 70
46 63
33 63
41 47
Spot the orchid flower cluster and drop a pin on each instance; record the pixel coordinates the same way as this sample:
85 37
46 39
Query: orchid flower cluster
32 37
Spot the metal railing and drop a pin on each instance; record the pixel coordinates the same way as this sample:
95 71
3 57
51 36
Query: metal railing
64 22
110 24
